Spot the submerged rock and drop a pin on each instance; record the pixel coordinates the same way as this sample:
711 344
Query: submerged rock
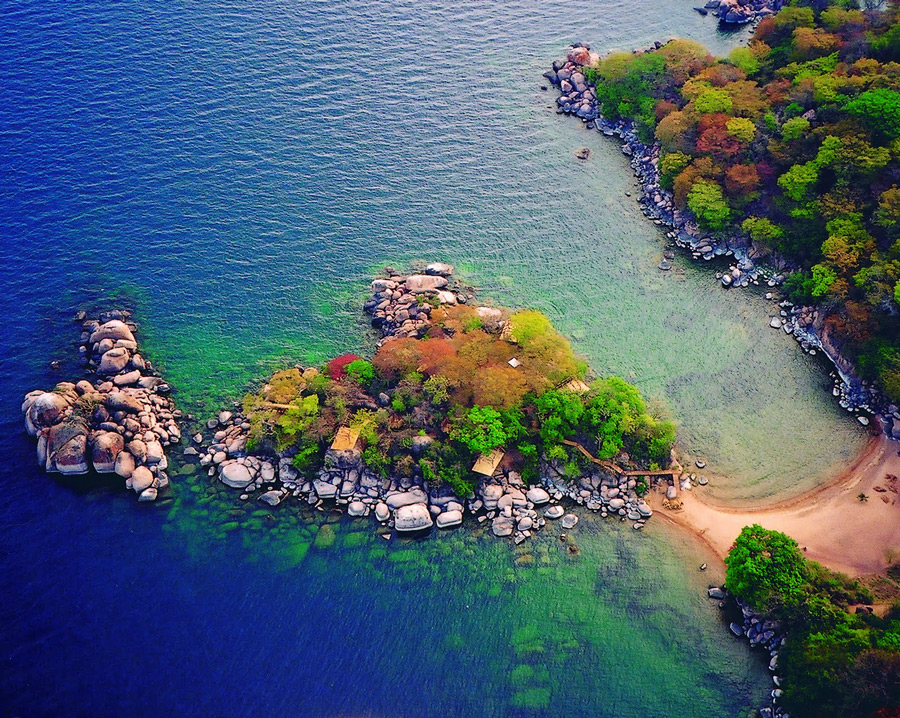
502 526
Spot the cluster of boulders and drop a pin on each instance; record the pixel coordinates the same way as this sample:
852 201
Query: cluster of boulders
858 397
740 12
761 632
601 492
401 304
117 423
408 504
577 97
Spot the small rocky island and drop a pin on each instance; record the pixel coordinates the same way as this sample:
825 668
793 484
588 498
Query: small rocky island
117 422
465 410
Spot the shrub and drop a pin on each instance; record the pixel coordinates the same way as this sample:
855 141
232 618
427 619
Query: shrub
360 371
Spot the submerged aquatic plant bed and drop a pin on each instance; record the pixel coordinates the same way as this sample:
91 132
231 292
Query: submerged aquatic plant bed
462 409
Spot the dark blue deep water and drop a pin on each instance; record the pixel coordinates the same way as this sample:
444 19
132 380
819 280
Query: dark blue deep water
235 171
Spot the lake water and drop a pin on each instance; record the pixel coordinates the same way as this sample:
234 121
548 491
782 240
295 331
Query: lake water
237 172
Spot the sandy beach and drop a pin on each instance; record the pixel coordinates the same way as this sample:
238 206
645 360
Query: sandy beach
830 523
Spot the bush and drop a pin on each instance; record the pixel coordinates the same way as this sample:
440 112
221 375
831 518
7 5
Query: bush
360 371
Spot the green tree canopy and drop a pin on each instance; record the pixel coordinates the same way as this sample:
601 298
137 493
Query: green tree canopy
879 109
481 429
708 203
765 568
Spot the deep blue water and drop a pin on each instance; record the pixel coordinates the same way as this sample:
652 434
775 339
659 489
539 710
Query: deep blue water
235 171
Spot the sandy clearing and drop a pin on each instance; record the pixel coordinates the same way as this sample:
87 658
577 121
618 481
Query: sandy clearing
835 527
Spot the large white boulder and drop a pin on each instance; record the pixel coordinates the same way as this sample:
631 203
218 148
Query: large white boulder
114 330
449 518
44 410
141 479
67 449
235 475
537 495
421 283
114 361
124 464
405 498
412 517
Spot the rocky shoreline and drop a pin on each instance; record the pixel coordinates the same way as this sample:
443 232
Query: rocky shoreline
761 632
577 98
118 422
400 306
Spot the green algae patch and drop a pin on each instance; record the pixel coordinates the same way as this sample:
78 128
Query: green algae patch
404 555
534 699
356 539
521 675
527 639
454 641
295 552
326 537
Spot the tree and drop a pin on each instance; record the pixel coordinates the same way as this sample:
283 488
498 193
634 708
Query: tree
880 110
797 181
794 128
742 182
672 130
684 59
713 100
560 413
888 213
741 128
671 165
612 409
296 420
708 203
823 278
360 371
480 429
744 58
765 568
762 229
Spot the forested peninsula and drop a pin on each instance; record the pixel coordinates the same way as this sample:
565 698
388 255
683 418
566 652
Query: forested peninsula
789 147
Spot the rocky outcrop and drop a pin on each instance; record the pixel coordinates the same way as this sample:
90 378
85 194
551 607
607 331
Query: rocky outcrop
741 12
401 304
116 423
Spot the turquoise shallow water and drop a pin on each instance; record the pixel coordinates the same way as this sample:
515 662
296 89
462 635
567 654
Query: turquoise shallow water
237 172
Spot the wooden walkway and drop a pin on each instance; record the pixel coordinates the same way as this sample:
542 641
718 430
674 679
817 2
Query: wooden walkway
618 469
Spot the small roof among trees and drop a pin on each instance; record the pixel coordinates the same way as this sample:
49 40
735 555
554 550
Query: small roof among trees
576 385
487 463
346 439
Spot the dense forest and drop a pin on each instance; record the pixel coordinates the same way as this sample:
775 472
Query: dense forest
834 663
430 406
793 141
